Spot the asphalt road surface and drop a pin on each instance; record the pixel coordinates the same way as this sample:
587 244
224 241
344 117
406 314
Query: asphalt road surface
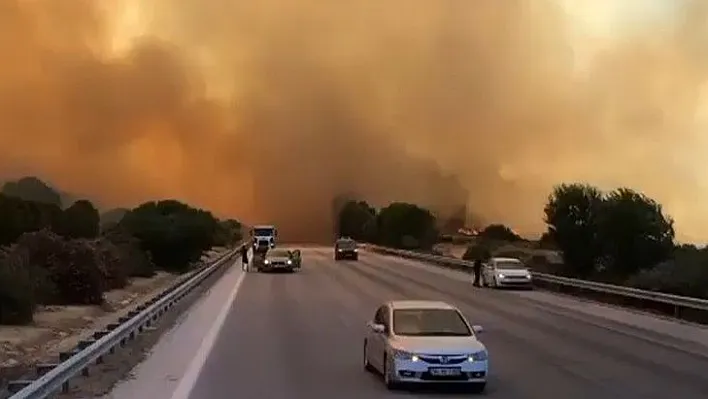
291 336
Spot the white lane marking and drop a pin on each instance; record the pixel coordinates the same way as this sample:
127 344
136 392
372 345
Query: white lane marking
189 380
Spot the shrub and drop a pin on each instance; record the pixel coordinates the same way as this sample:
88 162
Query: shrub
137 263
70 269
686 274
17 294
78 274
499 232
174 233
114 265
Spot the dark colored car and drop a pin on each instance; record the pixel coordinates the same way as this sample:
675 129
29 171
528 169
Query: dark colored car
279 260
346 248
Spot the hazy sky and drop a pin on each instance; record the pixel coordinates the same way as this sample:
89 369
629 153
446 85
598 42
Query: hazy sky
265 110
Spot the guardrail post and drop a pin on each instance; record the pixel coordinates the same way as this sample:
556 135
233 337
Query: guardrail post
43 368
17 386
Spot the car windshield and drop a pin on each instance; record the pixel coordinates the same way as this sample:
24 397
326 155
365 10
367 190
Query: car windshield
261 232
279 253
346 244
510 265
430 323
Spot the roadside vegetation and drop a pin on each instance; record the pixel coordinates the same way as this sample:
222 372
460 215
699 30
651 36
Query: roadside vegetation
53 253
619 237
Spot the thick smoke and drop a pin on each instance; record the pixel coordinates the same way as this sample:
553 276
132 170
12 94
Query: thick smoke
267 110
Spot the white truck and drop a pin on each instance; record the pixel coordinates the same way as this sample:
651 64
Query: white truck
263 237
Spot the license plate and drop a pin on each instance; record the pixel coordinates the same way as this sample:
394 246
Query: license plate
445 372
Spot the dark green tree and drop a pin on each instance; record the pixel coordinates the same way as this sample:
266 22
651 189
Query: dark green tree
572 215
32 189
355 220
546 241
173 233
499 232
404 225
80 220
19 216
229 233
634 232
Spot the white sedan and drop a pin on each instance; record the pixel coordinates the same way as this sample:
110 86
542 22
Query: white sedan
425 342
506 272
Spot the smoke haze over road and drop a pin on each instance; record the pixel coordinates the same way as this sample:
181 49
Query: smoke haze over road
267 110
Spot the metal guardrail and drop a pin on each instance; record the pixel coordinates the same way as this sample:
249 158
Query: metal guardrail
89 352
678 302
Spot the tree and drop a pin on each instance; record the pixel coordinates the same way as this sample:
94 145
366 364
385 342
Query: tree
355 220
17 293
572 215
404 225
229 233
19 216
634 232
80 220
32 189
499 232
175 234
546 241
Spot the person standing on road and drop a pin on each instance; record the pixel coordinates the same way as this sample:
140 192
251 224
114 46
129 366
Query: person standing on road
244 258
477 268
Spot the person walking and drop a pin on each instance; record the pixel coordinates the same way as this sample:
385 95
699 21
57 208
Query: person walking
477 268
244 258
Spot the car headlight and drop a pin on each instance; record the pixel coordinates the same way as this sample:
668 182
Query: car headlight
340 250
290 262
266 261
356 250
403 355
501 275
478 356
528 277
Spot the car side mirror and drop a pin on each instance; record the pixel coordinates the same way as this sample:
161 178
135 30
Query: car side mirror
377 328
477 329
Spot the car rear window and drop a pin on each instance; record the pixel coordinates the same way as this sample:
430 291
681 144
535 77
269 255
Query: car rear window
348 244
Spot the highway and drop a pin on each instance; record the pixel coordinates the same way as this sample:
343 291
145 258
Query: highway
300 335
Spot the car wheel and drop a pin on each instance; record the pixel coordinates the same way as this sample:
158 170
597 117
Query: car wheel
367 365
477 387
388 380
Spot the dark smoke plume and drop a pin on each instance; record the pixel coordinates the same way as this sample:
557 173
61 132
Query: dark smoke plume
267 110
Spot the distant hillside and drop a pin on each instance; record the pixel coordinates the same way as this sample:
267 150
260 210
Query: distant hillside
112 217
32 189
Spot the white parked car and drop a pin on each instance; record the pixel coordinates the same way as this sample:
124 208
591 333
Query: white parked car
425 342
506 272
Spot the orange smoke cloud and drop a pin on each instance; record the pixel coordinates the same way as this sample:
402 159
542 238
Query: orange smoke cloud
267 110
